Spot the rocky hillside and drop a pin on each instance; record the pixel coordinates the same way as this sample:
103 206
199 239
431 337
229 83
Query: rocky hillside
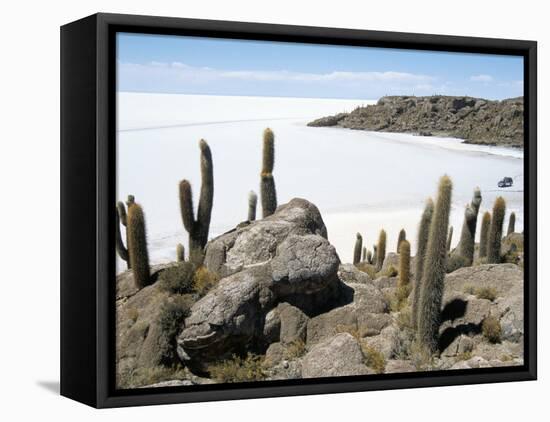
285 307
476 120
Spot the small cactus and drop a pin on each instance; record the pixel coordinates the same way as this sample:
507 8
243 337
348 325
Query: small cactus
495 231
422 243
449 239
432 285
404 264
402 236
357 249
267 182
512 223
369 257
180 253
198 228
381 250
121 218
466 244
137 245
484 235
252 202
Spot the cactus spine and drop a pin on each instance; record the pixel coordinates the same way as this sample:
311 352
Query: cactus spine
198 228
357 249
431 293
449 239
402 236
512 223
267 182
404 264
252 202
495 231
484 235
381 250
423 233
137 245
180 253
121 218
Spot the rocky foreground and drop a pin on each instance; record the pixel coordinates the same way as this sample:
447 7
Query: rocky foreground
286 307
476 120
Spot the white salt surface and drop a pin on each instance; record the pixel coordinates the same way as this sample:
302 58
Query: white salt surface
361 181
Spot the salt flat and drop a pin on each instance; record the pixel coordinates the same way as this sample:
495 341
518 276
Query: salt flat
361 181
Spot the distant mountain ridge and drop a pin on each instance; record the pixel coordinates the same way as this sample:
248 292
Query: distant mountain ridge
476 120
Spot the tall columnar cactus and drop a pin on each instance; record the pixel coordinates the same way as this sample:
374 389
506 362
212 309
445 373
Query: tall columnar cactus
180 253
252 202
512 223
267 182
484 235
431 295
402 236
495 231
121 218
422 244
357 249
137 245
369 257
449 239
381 250
198 228
375 254
404 264
466 244
364 254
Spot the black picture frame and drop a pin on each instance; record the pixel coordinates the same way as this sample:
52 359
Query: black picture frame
88 191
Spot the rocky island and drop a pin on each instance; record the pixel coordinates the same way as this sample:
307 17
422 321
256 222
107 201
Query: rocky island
475 120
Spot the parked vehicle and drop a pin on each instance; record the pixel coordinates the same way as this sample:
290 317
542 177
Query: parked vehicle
506 182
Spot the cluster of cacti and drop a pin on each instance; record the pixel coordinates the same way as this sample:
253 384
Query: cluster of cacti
404 263
432 284
495 231
449 239
198 228
180 253
267 182
381 250
484 235
137 245
511 224
357 249
402 236
422 243
252 202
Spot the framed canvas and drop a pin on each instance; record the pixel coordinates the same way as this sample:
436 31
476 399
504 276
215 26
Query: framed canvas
254 210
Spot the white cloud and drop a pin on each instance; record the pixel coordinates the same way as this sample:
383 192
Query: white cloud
481 78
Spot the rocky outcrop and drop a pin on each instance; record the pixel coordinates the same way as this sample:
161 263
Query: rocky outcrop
337 356
283 258
256 242
475 120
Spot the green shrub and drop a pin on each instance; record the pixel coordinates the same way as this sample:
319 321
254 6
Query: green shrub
491 329
171 320
178 279
204 280
238 369
373 358
488 293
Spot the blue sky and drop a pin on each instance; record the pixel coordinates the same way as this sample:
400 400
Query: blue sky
188 65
